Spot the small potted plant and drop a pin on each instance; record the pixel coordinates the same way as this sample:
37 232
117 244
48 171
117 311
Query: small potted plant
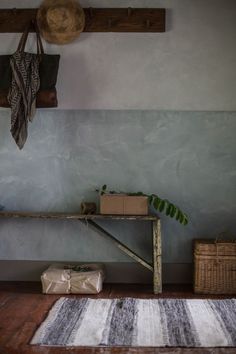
112 202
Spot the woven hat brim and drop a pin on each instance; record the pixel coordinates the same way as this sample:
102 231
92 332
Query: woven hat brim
62 35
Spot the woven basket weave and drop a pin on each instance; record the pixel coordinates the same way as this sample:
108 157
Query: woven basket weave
214 267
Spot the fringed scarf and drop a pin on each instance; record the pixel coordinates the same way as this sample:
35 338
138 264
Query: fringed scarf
22 94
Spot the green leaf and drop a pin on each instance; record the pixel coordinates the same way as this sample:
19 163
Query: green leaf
162 206
150 199
156 202
181 218
177 214
168 209
185 222
102 193
104 187
173 210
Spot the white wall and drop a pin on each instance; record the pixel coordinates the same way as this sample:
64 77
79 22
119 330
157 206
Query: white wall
190 67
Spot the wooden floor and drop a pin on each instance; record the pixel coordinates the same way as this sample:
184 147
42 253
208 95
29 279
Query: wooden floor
23 307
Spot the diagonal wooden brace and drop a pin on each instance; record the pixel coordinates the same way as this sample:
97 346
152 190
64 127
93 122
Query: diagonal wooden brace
94 226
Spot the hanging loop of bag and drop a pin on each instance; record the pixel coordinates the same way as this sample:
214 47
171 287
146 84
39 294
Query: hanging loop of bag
24 37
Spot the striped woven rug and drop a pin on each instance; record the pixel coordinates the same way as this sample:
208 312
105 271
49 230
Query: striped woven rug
138 322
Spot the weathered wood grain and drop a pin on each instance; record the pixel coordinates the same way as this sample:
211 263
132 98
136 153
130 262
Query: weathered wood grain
74 216
125 20
157 264
96 19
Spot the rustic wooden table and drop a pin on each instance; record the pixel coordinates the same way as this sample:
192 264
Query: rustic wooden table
90 220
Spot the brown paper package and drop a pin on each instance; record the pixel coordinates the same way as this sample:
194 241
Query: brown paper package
60 279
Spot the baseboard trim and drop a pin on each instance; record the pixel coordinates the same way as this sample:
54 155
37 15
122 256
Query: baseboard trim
116 272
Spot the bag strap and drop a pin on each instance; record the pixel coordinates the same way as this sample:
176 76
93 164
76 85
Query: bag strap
24 37
39 40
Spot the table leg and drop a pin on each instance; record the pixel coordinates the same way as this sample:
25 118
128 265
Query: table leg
157 264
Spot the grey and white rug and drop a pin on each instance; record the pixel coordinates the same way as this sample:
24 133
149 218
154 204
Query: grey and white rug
138 322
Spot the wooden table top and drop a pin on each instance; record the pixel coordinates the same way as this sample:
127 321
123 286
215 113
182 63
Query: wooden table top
74 216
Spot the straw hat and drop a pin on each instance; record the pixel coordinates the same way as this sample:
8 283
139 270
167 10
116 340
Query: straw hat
60 21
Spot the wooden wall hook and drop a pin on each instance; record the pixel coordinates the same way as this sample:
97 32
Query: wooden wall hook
129 11
14 11
148 23
109 23
96 19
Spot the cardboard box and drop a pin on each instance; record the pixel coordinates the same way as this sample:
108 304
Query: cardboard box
71 279
122 204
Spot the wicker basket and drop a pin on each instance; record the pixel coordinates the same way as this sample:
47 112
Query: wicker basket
214 267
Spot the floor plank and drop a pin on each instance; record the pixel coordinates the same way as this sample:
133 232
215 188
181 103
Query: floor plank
23 307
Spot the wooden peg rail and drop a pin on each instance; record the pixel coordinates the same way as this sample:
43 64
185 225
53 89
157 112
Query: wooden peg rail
97 19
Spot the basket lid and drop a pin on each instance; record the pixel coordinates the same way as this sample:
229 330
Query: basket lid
215 247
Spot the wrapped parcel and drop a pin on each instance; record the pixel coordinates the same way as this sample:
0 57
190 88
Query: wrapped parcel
73 279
